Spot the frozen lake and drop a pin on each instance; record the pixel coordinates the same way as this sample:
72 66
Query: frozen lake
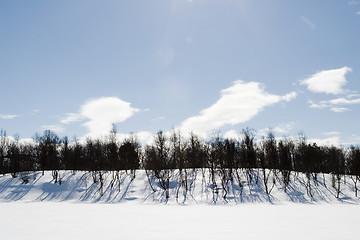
51 220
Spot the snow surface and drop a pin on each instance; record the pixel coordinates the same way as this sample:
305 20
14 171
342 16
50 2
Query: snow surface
42 209
48 220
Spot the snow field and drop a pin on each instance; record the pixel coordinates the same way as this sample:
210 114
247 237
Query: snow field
49 220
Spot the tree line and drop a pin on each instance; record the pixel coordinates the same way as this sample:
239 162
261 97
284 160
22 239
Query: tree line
222 157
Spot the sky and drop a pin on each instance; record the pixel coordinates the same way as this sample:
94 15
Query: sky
206 66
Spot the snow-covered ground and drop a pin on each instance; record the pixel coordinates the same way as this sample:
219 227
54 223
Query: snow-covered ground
42 209
80 187
49 220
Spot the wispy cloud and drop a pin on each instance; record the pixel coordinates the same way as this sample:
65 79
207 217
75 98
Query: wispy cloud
339 109
34 112
328 81
71 117
281 129
308 22
337 104
237 104
157 119
353 3
8 116
284 128
53 128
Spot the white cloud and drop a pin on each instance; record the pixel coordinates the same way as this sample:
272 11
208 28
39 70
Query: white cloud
231 134
281 129
27 141
237 104
144 137
284 128
339 109
337 104
71 117
343 101
8 116
308 22
353 95
358 13
288 97
103 112
331 141
99 115
53 128
328 81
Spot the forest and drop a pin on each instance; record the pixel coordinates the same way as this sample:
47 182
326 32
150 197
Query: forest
222 158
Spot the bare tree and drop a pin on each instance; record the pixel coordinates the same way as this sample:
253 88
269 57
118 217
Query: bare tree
268 160
354 166
157 160
337 159
178 157
4 143
286 155
47 151
248 153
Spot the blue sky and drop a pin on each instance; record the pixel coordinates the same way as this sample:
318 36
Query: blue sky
76 67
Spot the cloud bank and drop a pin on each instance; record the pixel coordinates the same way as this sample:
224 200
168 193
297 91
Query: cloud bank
237 104
328 81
